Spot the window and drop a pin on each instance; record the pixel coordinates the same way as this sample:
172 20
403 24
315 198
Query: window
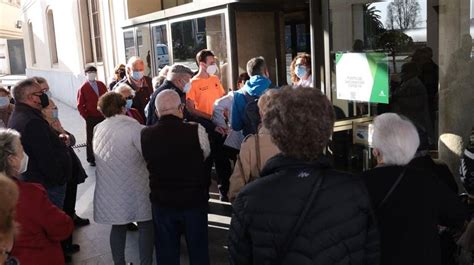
191 36
144 47
160 43
32 42
96 30
90 27
129 42
52 37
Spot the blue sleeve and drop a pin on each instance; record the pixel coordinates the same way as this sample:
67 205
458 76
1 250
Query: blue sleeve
236 121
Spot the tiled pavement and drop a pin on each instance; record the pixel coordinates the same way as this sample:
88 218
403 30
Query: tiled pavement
94 238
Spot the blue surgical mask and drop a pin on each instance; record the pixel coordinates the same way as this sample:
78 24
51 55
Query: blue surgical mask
137 75
55 114
129 104
300 71
187 87
4 101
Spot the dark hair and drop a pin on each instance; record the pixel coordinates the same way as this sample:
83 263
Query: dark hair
111 104
306 58
21 89
256 66
202 55
300 121
90 68
40 80
243 77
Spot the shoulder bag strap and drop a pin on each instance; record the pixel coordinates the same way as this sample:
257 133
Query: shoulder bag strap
241 167
299 223
257 152
394 186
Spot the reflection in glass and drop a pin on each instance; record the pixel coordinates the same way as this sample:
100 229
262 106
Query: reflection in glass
160 42
144 47
129 44
191 36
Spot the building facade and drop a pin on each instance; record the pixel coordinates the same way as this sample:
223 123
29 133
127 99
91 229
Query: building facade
12 55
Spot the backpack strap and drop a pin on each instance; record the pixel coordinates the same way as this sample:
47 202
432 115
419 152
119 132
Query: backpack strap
257 152
394 186
282 252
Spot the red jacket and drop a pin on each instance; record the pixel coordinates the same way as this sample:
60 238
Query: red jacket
41 227
87 99
133 113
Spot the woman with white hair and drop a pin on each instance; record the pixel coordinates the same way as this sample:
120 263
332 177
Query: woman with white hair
128 94
408 215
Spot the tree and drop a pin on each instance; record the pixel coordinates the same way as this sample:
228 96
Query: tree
394 41
372 24
403 14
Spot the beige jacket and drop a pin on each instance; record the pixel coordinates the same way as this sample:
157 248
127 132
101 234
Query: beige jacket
246 169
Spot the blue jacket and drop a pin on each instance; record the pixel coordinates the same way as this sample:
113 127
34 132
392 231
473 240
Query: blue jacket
256 86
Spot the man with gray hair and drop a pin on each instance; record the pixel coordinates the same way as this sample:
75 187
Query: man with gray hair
178 79
175 153
245 114
49 160
139 82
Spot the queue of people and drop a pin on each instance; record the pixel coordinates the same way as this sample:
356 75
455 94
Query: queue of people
154 146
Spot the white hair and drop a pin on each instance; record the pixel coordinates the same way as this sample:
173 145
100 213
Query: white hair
396 139
133 60
177 71
124 87
167 102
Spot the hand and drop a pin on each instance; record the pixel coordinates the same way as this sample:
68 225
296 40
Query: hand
56 124
222 131
65 138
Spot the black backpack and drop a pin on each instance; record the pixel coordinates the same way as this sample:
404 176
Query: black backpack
251 115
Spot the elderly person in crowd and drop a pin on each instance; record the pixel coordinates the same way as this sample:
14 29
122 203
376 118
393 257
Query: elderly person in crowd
160 79
300 69
301 211
122 188
87 98
119 74
409 204
9 198
78 174
6 108
50 161
128 94
139 82
179 192
42 224
254 153
178 79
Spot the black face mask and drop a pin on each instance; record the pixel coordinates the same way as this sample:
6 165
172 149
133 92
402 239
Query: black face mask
44 100
121 73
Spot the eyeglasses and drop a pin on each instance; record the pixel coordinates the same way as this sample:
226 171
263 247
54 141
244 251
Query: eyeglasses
10 260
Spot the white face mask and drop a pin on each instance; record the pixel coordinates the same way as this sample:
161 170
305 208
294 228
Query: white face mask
91 76
4 101
211 69
187 87
24 164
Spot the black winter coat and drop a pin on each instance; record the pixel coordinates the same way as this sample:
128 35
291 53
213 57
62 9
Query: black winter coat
49 159
408 220
339 228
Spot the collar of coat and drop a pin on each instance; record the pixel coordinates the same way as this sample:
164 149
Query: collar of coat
282 162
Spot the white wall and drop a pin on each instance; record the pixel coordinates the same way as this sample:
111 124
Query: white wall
67 75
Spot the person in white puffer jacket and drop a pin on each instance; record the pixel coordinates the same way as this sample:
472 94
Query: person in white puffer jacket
122 186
